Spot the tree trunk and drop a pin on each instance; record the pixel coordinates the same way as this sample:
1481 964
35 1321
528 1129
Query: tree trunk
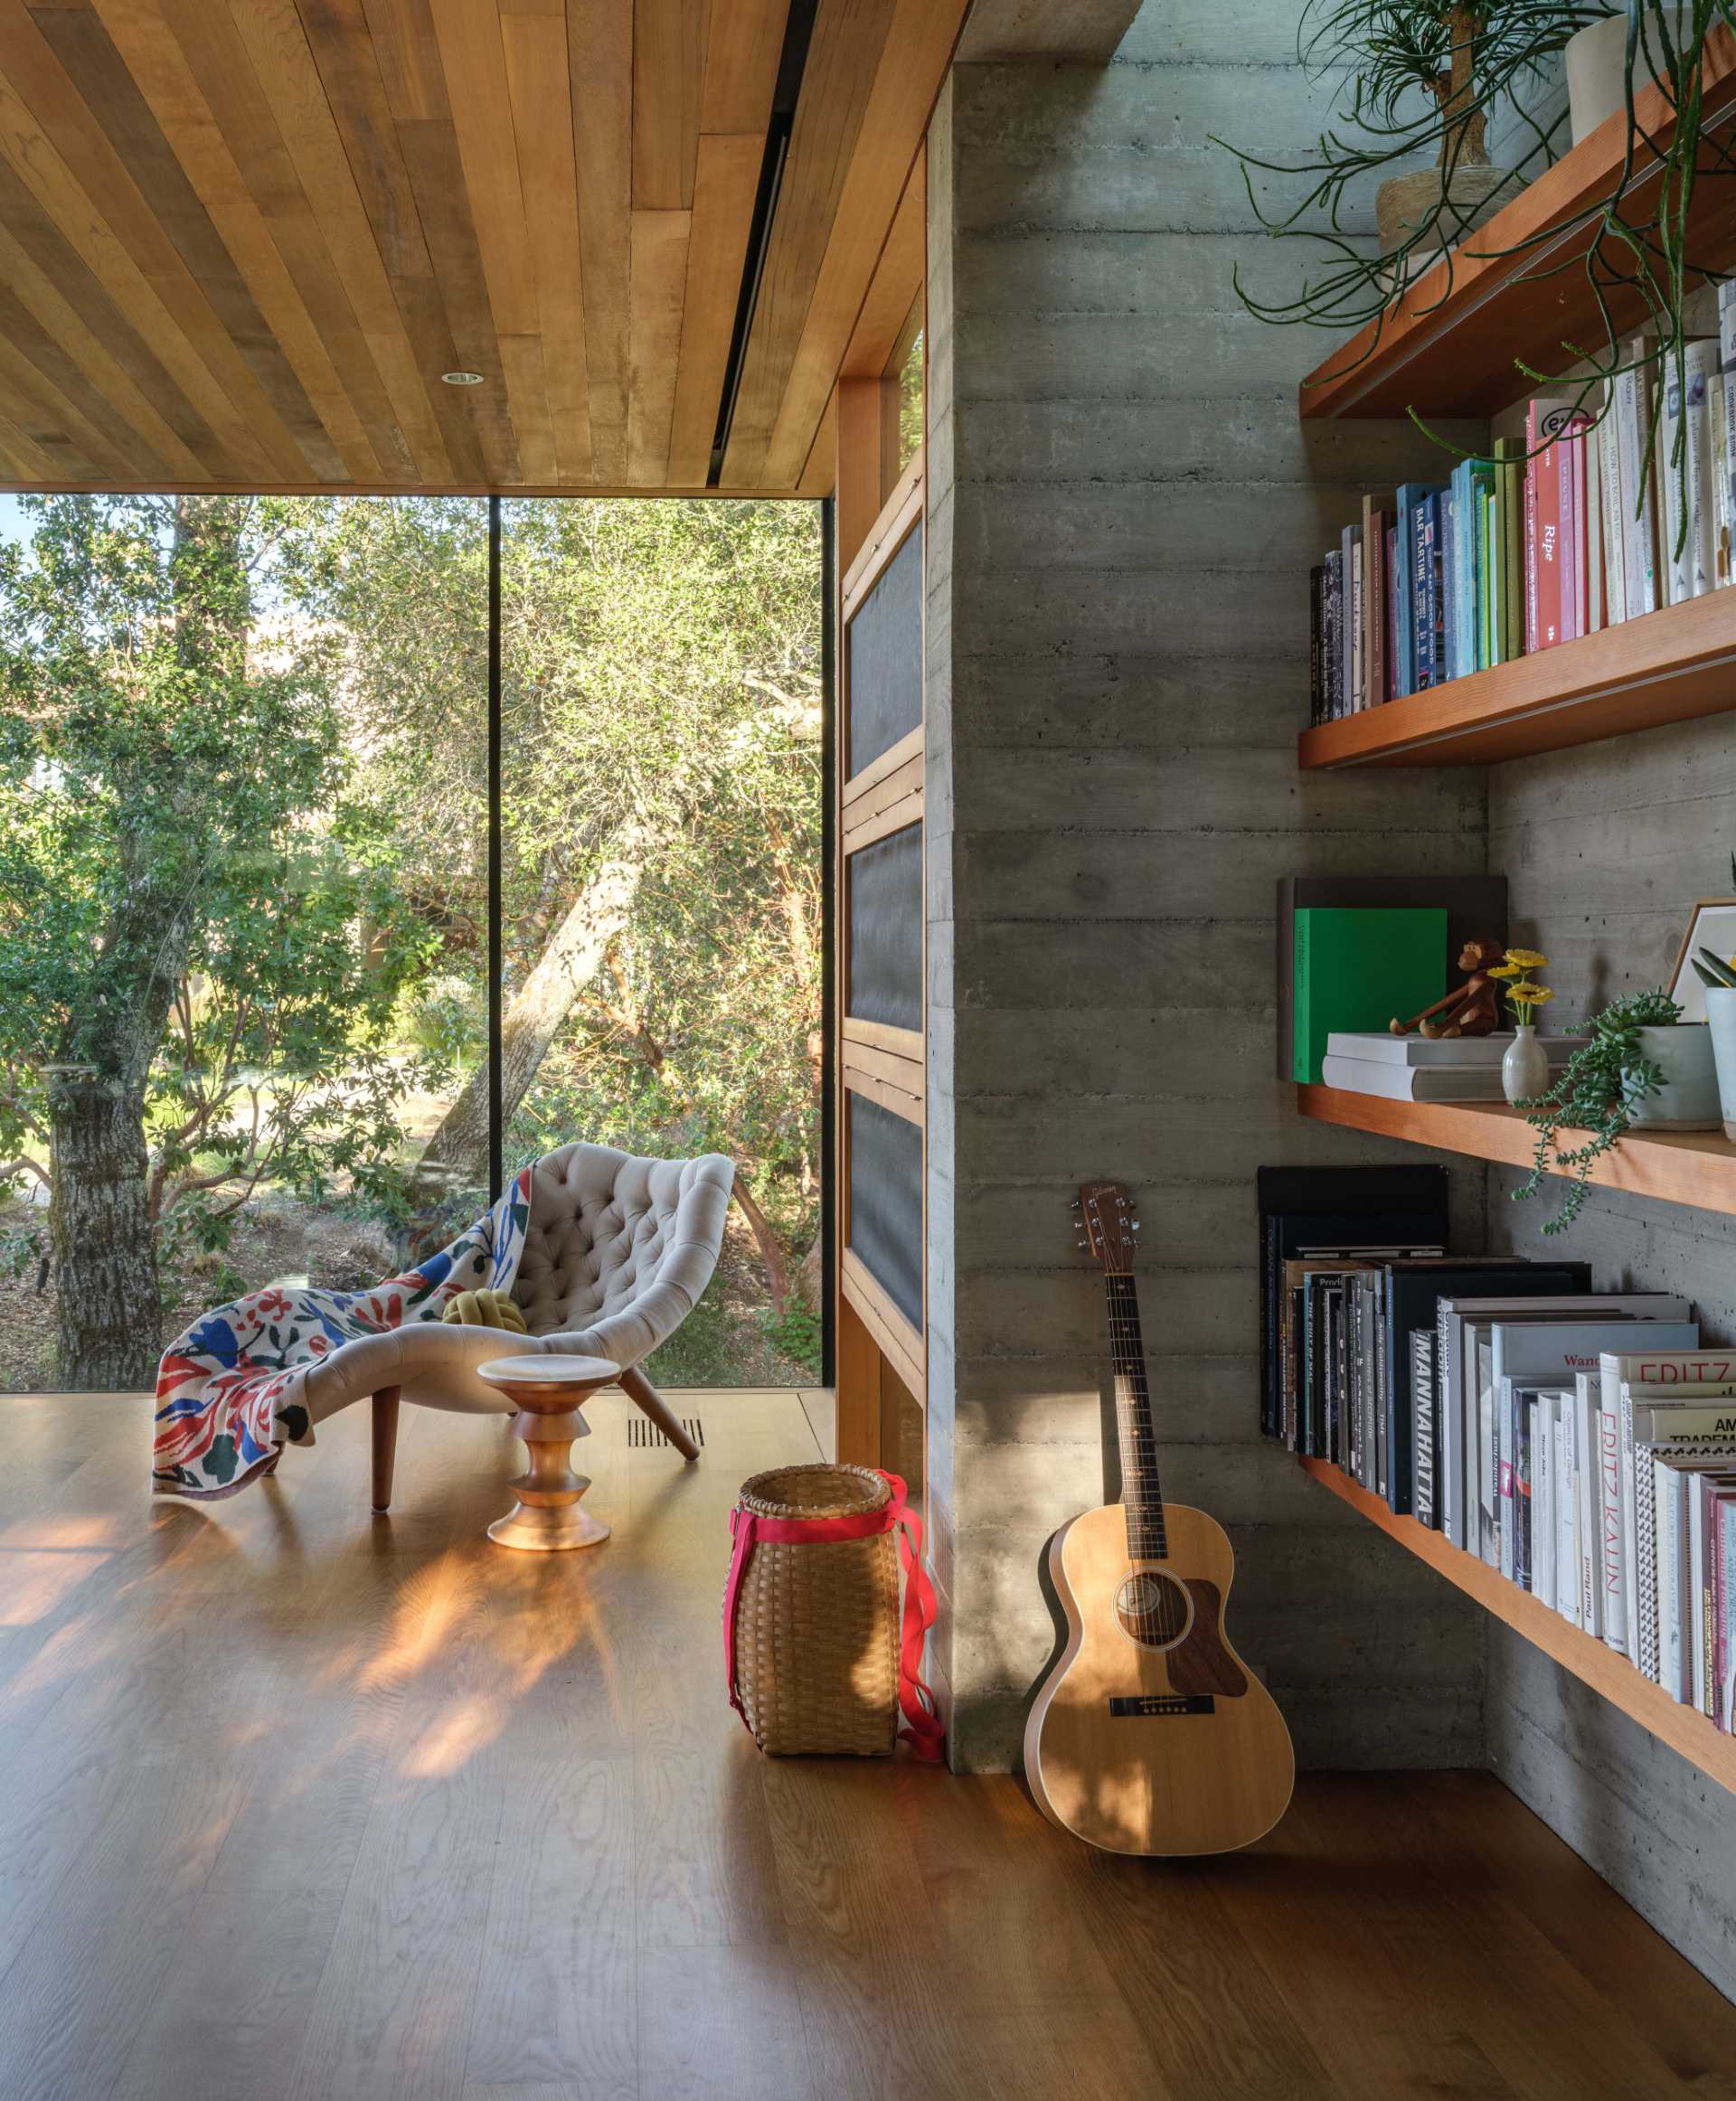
108 1315
771 1253
573 957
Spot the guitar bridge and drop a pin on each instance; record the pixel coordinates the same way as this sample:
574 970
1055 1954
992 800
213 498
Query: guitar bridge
1159 1703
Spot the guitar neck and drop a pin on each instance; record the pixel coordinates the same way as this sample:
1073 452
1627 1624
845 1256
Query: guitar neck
1141 1492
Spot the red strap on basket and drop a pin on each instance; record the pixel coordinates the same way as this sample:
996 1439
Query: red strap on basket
922 1730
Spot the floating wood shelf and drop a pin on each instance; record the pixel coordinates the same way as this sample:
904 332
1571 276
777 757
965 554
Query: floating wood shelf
1664 667
1452 347
1614 1677
1692 1167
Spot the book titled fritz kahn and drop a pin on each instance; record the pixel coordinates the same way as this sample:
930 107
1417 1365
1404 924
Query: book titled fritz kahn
1476 908
1357 967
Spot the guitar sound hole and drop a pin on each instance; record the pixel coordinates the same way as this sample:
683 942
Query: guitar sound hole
1152 1608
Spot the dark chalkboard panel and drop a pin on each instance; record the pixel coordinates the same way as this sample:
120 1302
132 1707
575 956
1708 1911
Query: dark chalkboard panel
885 642
885 971
885 1157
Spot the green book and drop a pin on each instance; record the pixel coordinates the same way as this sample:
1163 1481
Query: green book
1359 968
1509 480
1485 579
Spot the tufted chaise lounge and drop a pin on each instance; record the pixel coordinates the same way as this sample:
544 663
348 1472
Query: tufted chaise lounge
617 1253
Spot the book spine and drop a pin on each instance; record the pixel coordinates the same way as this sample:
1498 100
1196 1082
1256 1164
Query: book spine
1425 1428
1636 493
1452 1438
1512 566
1404 630
1588 1505
1543 547
1567 545
1374 605
1646 1650
1507 1535
1422 633
1615 581
1335 565
1718 481
1347 624
1696 1644
1726 1608
1673 453
1447 531
1613 1613
1702 371
1727 476
1568 1601
1394 613
1316 624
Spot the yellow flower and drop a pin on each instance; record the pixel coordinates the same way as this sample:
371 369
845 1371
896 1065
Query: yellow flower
1506 970
1526 958
1529 996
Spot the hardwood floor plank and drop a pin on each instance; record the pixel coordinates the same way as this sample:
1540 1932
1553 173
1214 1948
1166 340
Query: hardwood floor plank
300 1802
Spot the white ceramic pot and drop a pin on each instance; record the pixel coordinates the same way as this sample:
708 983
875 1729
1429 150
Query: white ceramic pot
1720 1023
1596 67
1524 1066
1688 1098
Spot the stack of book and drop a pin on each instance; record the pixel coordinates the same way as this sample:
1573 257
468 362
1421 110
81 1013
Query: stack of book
1617 503
1421 1069
1612 1498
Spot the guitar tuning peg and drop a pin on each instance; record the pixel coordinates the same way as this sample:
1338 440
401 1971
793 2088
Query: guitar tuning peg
1074 1205
1136 1225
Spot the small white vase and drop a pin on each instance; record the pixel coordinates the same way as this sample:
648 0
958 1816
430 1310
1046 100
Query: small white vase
1524 1066
1720 1018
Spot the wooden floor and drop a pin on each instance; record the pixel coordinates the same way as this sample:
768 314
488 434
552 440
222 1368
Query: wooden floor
294 1802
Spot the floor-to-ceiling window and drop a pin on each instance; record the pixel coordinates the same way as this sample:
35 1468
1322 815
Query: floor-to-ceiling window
245 899
662 780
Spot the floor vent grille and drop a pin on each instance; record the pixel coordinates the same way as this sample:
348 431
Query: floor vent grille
644 1434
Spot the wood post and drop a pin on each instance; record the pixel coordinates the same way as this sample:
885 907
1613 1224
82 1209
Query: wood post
385 1444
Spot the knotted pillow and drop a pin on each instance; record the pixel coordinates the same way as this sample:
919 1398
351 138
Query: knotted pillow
486 1309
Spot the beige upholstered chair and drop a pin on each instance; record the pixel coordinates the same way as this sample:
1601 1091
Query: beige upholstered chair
617 1253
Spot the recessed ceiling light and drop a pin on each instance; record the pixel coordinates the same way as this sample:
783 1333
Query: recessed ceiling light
462 379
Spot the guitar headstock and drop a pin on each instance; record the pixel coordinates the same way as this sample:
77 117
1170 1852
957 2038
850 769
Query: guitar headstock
1111 1230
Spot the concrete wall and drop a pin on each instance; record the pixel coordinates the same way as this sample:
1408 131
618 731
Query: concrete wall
1123 511
1607 848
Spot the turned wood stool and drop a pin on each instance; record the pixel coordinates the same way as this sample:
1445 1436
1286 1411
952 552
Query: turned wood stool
549 1392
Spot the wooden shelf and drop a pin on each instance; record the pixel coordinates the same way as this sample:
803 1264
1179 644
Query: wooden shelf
1664 667
1691 1167
1614 1677
1450 348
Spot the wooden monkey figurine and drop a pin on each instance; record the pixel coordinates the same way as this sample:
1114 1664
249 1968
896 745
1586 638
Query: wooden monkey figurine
1474 1009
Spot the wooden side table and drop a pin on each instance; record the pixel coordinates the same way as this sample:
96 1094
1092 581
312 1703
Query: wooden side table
549 1392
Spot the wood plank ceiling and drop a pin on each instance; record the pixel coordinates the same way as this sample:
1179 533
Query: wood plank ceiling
241 240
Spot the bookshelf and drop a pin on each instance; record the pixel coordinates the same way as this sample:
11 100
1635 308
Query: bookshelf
1451 348
1612 1676
1691 1167
1667 666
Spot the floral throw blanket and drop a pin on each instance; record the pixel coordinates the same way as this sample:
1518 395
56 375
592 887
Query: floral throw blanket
229 1391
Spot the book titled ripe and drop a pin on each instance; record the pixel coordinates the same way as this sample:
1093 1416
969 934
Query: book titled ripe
1546 528
1356 968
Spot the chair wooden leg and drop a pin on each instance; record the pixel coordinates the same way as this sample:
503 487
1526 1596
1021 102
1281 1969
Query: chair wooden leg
639 1389
385 1444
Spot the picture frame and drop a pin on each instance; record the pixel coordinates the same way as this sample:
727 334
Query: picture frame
1712 926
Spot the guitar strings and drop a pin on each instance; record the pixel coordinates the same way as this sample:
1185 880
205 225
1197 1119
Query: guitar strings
1151 1607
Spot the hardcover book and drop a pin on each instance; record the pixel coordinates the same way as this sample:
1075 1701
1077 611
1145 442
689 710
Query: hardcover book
1476 906
1357 967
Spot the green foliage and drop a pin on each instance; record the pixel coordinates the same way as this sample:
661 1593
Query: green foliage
1713 970
661 661
196 914
798 1337
1600 1088
1400 107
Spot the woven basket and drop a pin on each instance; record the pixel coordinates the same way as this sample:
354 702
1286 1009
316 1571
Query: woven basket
816 1622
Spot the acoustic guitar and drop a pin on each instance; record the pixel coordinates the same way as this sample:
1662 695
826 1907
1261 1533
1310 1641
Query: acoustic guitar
1149 1735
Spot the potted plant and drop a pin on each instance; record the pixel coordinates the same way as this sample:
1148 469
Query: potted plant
1644 1068
1717 974
1426 79
1524 1064
1421 83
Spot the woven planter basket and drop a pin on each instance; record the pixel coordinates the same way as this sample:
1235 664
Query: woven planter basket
816 1621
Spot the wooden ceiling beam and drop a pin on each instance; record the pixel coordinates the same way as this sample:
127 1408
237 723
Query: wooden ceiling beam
912 65
899 278
599 60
